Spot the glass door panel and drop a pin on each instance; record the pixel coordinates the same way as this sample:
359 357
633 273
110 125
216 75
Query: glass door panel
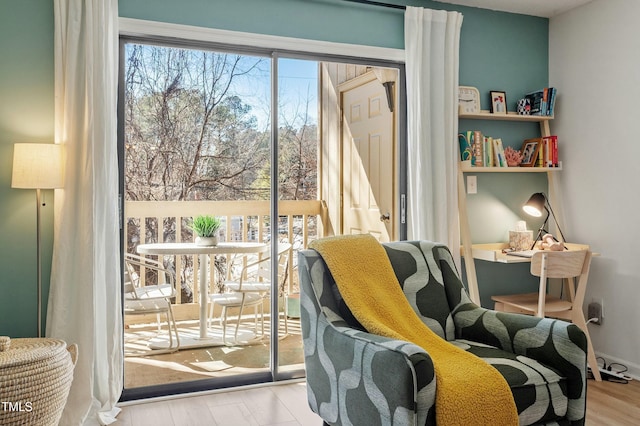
196 142
298 142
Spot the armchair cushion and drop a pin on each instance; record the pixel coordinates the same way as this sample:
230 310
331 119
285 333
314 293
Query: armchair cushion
535 387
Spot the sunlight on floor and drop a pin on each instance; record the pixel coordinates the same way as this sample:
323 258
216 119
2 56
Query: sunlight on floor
246 356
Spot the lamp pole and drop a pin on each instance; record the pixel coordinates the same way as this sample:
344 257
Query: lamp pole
39 261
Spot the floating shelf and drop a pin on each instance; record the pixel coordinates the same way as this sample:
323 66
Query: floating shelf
510 116
469 169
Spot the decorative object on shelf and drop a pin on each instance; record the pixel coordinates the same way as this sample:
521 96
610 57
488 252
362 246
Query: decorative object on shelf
206 227
498 102
468 100
37 166
524 106
513 157
520 238
530 149
538 203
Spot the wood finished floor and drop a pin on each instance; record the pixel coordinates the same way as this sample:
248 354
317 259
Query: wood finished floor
608 404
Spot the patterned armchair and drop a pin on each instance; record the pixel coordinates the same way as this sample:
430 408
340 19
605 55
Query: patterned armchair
354 377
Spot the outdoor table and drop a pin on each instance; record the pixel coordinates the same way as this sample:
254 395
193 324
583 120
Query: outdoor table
178 249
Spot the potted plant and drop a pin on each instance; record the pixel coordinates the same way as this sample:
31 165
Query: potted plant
206 228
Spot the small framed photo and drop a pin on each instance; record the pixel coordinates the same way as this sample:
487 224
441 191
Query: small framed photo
530 149
498 102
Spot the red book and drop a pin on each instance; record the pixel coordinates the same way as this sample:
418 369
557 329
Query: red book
554 151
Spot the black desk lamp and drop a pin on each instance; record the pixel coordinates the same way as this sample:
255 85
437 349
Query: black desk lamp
534 207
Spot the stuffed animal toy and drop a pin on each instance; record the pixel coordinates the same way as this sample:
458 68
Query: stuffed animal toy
550 243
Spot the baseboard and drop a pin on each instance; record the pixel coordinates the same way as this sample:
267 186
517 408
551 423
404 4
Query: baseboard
633 369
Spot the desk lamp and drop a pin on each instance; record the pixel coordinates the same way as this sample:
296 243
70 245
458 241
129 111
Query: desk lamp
37 166
538 203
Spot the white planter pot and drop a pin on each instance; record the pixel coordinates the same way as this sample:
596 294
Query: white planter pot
207 241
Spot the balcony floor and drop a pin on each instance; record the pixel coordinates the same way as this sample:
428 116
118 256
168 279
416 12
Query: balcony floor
213 361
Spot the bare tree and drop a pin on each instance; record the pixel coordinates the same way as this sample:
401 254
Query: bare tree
183 125
190 136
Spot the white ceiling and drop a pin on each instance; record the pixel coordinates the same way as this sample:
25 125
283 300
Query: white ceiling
543 8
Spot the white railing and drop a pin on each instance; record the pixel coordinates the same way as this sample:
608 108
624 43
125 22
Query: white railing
167 221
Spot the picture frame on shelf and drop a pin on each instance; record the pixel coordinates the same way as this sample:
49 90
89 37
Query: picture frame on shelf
498 102
530 150
468 100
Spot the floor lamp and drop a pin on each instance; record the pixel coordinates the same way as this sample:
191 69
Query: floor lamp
37 166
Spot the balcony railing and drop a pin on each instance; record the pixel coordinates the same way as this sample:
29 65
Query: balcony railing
298 223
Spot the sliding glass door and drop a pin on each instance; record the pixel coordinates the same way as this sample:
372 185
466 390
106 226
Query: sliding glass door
259 140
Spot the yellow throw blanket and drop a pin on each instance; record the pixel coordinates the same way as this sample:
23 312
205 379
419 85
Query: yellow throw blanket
468 390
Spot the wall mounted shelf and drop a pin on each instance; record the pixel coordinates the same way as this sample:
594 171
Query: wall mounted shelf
473 251
510 116
468 169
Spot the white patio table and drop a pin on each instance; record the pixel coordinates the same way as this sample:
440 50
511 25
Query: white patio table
170 249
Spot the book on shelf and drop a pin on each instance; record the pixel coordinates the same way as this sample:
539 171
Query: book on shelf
478 148
498 152
549 151
481 150
488 151
466 149
542 101
552 100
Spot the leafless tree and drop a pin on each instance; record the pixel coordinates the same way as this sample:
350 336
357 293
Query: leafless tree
184 126
190 136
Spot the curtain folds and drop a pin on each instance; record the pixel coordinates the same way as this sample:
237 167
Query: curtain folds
432 39
85 294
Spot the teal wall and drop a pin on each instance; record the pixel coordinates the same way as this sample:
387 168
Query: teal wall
26 115
499 51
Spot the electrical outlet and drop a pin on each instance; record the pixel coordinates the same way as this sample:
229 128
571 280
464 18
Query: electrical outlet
594 311
472 184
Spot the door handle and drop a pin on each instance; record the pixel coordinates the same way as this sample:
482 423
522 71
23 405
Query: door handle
385 217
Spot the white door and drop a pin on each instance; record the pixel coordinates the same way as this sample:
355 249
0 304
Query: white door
368 159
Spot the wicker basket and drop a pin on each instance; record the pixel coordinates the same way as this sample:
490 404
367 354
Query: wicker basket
35 378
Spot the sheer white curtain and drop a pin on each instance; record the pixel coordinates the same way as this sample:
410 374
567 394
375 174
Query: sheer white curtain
85 296
431 40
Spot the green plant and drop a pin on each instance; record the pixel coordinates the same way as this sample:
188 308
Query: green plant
205 226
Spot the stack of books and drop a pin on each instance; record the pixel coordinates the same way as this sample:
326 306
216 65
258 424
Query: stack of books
481 150
548 154
542 101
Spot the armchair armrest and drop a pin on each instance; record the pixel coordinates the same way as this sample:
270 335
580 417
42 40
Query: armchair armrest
390 381
542 339
554 343
393 379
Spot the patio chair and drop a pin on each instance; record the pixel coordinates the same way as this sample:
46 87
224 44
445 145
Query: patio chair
150 299
250 289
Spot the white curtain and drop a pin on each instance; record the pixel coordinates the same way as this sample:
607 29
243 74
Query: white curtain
432 39
85 296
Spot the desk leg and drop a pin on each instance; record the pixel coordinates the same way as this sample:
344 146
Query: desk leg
204 297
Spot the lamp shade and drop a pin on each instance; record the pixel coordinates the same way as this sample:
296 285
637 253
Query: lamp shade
37 166
535 205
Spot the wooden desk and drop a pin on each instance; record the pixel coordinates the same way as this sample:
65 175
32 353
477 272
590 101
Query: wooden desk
493 252
202 251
